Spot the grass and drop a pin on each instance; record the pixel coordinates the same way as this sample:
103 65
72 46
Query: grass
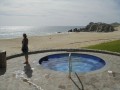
113 46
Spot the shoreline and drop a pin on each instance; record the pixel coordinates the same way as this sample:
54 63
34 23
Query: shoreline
58 41
17 31
39 35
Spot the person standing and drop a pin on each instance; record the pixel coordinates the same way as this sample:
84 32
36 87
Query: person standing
25 48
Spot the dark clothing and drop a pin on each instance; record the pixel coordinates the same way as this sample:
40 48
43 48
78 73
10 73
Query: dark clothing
25 49
25 45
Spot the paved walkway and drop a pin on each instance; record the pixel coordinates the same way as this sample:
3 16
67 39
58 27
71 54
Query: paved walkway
34 77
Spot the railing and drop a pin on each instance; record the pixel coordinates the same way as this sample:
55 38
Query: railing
70 65
70 70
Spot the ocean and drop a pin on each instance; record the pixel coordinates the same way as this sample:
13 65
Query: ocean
9 32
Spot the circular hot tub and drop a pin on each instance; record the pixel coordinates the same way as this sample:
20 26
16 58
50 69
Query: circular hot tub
79 62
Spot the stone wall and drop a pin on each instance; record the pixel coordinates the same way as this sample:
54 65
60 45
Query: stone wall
65 50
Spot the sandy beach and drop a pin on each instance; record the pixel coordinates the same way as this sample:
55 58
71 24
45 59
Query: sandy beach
67 40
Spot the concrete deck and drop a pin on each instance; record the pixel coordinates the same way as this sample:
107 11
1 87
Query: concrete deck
19 76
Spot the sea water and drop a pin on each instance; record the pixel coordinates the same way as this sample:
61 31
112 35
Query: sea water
8 32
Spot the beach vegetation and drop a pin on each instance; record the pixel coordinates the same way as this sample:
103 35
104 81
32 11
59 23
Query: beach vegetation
113 46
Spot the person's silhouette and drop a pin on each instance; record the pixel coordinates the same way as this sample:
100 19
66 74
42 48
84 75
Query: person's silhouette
28 70
25 48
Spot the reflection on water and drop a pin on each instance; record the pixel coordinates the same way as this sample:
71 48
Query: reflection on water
8 32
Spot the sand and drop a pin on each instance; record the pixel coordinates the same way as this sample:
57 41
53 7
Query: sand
60 40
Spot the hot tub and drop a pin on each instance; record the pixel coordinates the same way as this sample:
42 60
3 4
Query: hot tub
80 62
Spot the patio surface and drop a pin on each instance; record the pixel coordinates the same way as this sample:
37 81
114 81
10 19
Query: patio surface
19 76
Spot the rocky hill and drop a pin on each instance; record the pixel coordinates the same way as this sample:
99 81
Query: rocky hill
116 24
95 27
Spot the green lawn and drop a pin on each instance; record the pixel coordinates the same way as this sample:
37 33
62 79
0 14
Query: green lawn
113 46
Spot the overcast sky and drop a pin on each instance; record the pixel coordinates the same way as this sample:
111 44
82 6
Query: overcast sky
58 12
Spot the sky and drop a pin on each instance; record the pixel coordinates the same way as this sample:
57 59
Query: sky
58 12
